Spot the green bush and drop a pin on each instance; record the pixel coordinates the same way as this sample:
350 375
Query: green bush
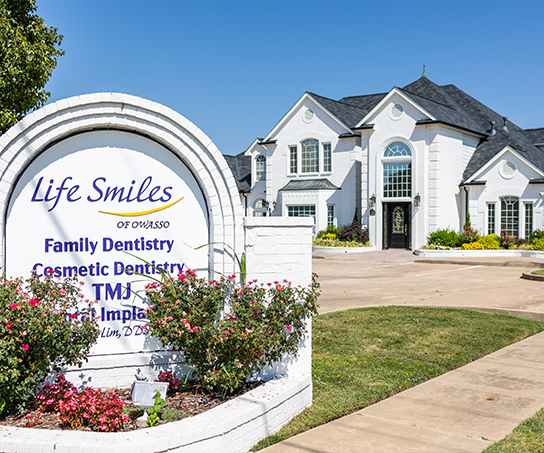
228 333
491 241
539 243
536 234
331 229
44 325
445 237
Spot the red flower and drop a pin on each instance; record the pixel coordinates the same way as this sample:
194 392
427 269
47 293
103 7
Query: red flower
33 302
25 347
14 306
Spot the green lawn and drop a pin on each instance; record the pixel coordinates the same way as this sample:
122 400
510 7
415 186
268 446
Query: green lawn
528 437
365 355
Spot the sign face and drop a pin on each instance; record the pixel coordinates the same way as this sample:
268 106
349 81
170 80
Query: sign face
106 205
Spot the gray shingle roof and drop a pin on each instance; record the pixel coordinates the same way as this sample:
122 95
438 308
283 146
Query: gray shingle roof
366 103
348 114
240 166
310 184
513 136
535 135
440 105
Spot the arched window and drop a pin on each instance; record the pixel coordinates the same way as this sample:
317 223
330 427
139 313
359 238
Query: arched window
260 168
397 149
397 171
310 156
259 208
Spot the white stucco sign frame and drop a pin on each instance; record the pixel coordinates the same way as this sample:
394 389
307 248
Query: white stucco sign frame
48 144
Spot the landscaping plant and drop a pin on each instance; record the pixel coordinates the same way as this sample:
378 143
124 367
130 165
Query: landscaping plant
228 333
444 237
45 324
507 241
491 241
88 408
469 235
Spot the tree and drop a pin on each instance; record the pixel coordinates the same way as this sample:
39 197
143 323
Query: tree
28 54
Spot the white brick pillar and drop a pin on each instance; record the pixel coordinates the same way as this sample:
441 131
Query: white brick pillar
279 248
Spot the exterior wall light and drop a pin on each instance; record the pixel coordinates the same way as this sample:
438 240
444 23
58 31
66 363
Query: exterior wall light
270 206
417 200
372 201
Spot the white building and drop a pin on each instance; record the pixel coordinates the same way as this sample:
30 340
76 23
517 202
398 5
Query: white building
408 162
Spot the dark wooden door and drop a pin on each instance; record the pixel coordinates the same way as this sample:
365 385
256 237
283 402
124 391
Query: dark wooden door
398 225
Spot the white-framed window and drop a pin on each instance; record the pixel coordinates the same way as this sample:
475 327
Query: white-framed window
293 160
330 215
397 171
327 157
309 156
260 168
510 215
528 219
302 211
259 208
491 213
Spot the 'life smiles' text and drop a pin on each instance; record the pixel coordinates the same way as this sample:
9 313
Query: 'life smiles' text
101 191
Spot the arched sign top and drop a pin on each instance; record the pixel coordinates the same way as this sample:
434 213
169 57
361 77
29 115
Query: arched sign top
49 126
107 186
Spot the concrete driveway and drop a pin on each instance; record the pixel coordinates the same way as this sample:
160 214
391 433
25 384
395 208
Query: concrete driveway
390 277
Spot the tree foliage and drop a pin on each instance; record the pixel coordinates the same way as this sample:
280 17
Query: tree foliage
28 54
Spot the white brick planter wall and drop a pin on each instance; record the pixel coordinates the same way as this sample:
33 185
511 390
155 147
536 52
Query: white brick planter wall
233 427
475 253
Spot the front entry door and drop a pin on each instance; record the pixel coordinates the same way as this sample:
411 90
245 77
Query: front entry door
397 225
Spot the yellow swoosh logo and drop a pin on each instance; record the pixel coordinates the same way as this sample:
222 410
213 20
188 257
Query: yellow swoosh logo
135 214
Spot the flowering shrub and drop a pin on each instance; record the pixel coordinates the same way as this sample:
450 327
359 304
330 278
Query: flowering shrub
45 324
49 396
469 235
170 377
507 241
226 342
473 246
94 409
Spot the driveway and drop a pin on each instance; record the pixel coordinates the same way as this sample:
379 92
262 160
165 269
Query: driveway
390 277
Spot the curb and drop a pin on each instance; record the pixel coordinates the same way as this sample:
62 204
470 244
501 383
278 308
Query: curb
529 276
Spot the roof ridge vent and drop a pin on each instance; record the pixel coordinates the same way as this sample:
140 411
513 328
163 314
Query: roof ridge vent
493 131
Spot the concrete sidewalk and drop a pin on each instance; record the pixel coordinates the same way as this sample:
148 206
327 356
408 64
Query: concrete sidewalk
464 410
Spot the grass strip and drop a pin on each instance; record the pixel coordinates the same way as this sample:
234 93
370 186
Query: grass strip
365 355
528 437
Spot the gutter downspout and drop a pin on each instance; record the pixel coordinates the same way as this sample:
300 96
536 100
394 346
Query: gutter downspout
245 204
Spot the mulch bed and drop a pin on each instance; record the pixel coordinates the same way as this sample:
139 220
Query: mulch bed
181 404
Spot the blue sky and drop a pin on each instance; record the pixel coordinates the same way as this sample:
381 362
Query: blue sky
234 68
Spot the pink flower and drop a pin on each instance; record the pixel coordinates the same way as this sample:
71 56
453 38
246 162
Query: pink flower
33 302
9 325
232 276
240 365
289 328
14 306
25 347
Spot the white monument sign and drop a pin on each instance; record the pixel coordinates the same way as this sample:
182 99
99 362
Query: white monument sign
106 206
